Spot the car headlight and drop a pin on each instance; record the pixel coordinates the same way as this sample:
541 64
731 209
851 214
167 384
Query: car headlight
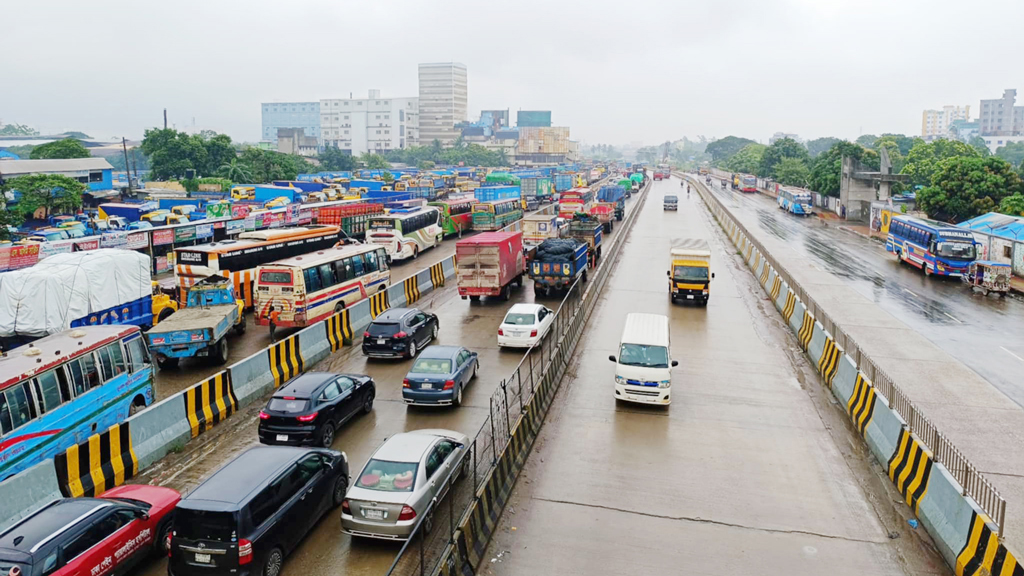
620 380
664 384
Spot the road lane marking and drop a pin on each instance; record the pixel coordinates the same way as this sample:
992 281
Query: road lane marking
1012 354
957 321
911 293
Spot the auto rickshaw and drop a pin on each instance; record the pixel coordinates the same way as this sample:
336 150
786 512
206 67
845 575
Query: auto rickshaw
988 276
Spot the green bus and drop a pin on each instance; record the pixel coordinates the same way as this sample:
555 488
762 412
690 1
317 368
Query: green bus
456 214
496 214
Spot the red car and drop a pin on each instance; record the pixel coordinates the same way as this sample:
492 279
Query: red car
91 536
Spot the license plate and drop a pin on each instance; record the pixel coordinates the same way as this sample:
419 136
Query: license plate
689 296
426 386
282 437
371 514
380 341
203 558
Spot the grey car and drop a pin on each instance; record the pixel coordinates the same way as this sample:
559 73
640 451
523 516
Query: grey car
399 481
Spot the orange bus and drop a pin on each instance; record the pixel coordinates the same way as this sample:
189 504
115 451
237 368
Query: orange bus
238 259
575 200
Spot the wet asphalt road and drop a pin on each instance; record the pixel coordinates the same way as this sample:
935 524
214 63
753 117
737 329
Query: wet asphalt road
325 550
753 469
983 332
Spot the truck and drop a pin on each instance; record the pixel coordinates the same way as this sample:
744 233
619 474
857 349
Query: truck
557 264
539 188
264 193
587 229
605 214
615 194
489 263
201 328
564 181
689 275
130 212
539 227
575 200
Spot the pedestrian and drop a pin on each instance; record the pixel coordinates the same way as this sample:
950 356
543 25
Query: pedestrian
272 315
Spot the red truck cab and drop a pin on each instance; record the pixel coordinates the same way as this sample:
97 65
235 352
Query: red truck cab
489 263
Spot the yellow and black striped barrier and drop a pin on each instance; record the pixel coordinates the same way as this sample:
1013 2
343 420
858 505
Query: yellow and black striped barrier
909 468
102 462
437 275
806 330
286 360
828 364
339 330
379 302
766 270
412 290
862 403
209 402
776 287
787 310
982 554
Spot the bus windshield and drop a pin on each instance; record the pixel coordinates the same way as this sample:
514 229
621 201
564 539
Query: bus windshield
690 274
956 250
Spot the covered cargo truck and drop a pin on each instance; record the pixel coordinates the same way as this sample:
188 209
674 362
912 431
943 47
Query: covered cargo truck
557 264
689 275
130 212
616 195
539 227
489 263
587 229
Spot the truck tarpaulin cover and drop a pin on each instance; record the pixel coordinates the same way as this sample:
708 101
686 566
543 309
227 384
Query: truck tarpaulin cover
47 297
556 250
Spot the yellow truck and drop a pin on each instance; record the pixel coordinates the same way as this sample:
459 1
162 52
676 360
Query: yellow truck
163 304
689 276
243 193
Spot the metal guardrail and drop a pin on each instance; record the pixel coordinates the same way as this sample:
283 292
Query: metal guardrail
436 527
972 482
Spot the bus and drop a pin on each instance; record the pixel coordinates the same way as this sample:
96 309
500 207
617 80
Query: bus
496 214
934 247
749 184
237 259
575 200
405 233
61 389
307 289
798 203
456 214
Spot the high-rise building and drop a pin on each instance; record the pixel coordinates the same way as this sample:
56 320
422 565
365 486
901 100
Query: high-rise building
935 124
372 124
305 115
999 116
443 101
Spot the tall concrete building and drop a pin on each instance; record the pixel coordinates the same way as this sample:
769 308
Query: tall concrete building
935 123
371 124
999 116
443 99
305 115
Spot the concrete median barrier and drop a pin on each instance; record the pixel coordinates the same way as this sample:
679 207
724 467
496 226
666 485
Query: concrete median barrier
789 306
882 432
209 402
775 281
806 331
360 316
103 461
947 515
424 281
829 362
314 343
395 297
781 297
379 302
447 269
411 290
339 330
160 429
910 468
27 492
983 553
845 380
285 359
252 377
816 347
796 317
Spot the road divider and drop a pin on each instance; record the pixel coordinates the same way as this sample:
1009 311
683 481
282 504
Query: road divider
209 402
379 302
103 461
339 330
286 360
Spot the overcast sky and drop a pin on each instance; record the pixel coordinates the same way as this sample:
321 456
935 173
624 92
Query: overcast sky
613 71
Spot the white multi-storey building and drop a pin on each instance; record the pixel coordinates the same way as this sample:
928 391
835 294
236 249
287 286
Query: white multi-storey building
372 124
935 123
443 101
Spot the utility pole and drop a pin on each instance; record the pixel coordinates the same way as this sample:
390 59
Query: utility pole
127 167
165 118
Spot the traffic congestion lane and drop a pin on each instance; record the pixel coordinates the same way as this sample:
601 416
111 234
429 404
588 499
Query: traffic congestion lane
326 551
751 470
975 329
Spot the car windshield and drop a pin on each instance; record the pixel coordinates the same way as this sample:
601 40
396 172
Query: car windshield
956 250
204 525
287 405
432 366
690 273
518 319
643 355
382 329
388 476
671 198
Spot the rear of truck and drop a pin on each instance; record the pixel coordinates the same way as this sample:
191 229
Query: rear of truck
556 265
489 263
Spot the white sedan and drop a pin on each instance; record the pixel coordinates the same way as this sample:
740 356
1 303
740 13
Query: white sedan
525 325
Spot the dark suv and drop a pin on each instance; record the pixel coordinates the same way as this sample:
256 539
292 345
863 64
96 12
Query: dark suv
311 407
399 332
244 519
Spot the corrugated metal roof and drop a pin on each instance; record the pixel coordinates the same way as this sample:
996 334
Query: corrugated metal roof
18 167
996 224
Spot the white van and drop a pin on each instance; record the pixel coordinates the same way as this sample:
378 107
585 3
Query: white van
643 369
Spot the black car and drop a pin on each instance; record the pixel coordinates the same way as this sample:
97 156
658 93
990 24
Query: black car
399 332
309 408
250 514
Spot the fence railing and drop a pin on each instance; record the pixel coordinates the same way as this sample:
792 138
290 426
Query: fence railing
972 481
436 526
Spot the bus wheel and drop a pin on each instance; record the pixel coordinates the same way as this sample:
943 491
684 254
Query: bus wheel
415 252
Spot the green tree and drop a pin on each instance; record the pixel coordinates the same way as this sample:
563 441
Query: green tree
219 151
1013 152
236 171
867 140
137 160
722 150
747 159
426 164
1012 205
17 130
924 158
78 135
333 159
9 219
780 149
978 143
171 153
825 173
267 166
893 148
904 142
374 161
24 151
967 186
56 193
58 149
792 172
387 177
819 145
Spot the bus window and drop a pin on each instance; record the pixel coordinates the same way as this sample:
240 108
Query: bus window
312 280
105 364
136 356
90 371
327 275
382 259
116 358
49 388
19 404
371 261
357 263
5 415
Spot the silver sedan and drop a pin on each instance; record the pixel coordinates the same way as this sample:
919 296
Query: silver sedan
400 480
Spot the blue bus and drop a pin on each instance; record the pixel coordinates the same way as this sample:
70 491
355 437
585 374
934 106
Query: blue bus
61 389
934 247
795 202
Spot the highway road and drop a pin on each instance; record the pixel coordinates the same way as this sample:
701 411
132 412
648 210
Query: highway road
326 551
983 332
753 469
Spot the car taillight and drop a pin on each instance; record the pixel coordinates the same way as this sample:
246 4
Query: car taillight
501 332
401 335
407 513
264 415
345 508
533 333
405 383
307 417
244 551
366 334
449 384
